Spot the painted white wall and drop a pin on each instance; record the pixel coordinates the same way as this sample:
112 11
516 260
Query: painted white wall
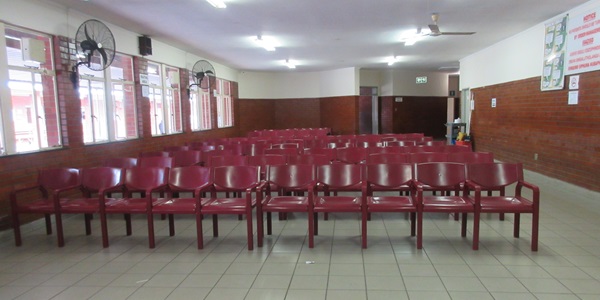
370 78
518 57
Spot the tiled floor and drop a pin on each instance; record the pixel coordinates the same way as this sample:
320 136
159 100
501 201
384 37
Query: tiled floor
567 265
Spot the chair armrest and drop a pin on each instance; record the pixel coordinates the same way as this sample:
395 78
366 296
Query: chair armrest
20 189
534 188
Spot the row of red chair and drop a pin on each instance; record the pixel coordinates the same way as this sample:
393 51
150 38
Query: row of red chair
291 133
318 185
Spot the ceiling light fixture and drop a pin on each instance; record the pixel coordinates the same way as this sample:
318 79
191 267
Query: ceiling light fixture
410 37
392 60
217 3
290 64
268 44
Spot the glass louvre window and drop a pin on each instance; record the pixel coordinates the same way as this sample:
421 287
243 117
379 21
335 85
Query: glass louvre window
201 117
165 99
29 112
224 104
93 105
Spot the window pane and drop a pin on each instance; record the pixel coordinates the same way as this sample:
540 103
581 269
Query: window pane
123 98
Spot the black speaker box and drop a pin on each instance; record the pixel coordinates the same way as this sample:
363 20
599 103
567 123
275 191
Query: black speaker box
145 44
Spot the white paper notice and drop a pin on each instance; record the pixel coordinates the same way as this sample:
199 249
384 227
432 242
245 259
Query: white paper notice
573 97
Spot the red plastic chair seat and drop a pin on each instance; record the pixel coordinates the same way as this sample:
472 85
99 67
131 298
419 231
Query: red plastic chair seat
337 204
178 206
390 204
226 206
81 205
130 205
38 206
449 203
498 204
285 204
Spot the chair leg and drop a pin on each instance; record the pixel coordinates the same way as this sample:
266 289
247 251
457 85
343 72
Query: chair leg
259 227
250 231
316 223
199 234
534 229
104 229
215 220
419 230
269 224
311 230
128 224
88 223
17 229
48 224
517 222
59 229
413 224
151 242
501 217
476 221
171 225
364 217
463 226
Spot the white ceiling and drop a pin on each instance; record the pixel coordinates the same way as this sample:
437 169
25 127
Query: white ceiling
325 34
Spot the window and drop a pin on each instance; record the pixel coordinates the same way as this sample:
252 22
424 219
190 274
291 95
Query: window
224 104
30 118
201 116
108 101
165 99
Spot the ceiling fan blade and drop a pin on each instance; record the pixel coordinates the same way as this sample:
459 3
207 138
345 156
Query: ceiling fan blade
434 28
457 33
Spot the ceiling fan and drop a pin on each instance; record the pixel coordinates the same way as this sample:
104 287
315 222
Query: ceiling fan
435 29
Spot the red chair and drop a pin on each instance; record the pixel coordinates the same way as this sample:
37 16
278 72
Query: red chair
51 184
96 187
228 160
121 162
331 153
352 155
283 179
449 177
284 151
380 179
187 158
471 157
397 143
417 149
457 148
309 159
244 180
432 143
422 157
146 179
206 155
155 154
201 147
387 158
192 179
176 148
266 159
498 176
254 149
390 149
330 179
155 162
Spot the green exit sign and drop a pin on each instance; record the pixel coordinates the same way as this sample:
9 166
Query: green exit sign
421 79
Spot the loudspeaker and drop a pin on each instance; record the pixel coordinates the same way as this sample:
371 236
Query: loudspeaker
145 44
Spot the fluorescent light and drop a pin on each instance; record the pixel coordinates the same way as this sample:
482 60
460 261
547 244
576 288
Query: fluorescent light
392 60
268 44
410 37
290 64
217 3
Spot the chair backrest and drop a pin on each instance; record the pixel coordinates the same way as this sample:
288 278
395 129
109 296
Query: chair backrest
457 148
189 178
58 178
416 149
309 159
285 145
389 176
228 160
235 178
186 158
254 149
495 175
206 155
121 162
144 178
431 143
176 148
331 153
284 151
155 161
236 149
96 179
267 159
421 157
400 143
440 174
352 155
340 176
389 149
202 148
387 158
471 157
155 154
291 176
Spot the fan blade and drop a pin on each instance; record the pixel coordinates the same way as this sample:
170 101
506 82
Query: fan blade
457 33
435 30
209 72
87 35
103 53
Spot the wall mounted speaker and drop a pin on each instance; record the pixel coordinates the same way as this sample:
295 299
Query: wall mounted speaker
145 44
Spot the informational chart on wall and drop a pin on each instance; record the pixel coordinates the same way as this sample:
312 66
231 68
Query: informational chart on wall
553 76
583 44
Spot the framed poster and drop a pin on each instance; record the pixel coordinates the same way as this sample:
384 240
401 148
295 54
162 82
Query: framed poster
583 54
555 39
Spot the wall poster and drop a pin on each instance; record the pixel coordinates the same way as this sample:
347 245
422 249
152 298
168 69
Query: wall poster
553 75
583 45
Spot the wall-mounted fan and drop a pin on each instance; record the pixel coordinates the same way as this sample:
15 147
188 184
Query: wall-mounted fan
95 48
435 29
204 75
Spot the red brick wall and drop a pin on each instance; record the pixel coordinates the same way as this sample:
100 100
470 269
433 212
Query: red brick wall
256 114
527 121
340 114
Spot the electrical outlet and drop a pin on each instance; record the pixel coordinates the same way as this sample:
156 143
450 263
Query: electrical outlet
535 156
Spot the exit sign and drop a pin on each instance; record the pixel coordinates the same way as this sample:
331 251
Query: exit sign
421 79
